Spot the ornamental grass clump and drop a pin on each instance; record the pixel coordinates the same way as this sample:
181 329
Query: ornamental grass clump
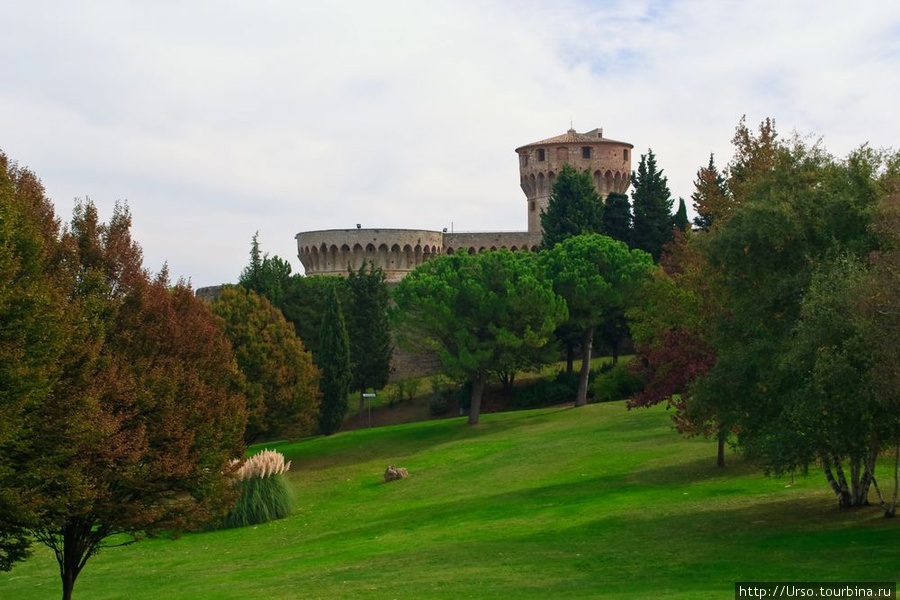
265 493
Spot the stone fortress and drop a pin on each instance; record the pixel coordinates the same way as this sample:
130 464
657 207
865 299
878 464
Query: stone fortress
399 251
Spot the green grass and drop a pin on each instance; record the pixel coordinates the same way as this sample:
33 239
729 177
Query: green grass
594 502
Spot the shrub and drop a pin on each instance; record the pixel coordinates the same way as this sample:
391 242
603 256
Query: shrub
444 390
265 493
617 384
547 392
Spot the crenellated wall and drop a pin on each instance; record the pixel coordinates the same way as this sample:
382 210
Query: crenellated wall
396 251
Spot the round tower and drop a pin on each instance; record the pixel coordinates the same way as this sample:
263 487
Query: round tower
609 162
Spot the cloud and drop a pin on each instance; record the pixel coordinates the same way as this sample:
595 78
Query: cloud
215 120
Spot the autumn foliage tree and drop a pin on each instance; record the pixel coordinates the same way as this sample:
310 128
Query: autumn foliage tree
282 382
130 429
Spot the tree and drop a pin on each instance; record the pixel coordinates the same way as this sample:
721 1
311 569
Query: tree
880 293
594 274
711 199
282 382
305 302
479 311
652 206
617 217
33 335
265 275
136 431
574 207
680 220
371 346
787 338
334 360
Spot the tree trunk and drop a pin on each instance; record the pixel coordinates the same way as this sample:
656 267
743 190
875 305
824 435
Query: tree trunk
615 352
570 357
720 454
842 497
477 389
72 559
587 338
891 511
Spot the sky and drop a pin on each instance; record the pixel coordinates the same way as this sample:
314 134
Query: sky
217 119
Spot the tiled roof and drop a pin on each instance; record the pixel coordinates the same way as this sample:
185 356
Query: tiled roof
573 137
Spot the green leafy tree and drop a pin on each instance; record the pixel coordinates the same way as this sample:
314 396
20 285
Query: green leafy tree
574 207
33 336
652 207
617 217
371 345
595 275
282 383
334 360
787 324
711 199
479 312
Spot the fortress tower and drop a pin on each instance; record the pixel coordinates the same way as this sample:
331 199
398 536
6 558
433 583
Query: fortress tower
609 161
399 251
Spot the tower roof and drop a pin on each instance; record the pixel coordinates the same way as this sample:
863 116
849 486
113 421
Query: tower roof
594 136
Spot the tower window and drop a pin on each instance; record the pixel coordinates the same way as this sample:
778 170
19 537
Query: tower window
541 154
585 152
532 206
625 154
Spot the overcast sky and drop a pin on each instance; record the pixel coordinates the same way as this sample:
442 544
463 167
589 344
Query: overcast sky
217 119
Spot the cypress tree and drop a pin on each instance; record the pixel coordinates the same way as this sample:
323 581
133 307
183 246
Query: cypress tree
617 217
334 360
574 208
371 346
681 219
652 204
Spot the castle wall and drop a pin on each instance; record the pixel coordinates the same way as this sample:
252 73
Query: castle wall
472 242
396 251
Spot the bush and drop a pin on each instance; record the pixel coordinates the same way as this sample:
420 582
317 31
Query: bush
265 493
617 384
444 391
547 392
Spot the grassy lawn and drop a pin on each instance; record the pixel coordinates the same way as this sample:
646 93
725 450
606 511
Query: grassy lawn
593 502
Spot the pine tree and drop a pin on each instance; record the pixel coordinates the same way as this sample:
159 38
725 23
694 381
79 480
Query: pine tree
574 208
652 205
334 360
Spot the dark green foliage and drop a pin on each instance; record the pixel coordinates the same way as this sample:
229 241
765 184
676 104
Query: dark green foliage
617 217
596 276
652 206
262 499
574 208
371 346
481 312
334 361
305 301
265 275
617 384
559 389
680 220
